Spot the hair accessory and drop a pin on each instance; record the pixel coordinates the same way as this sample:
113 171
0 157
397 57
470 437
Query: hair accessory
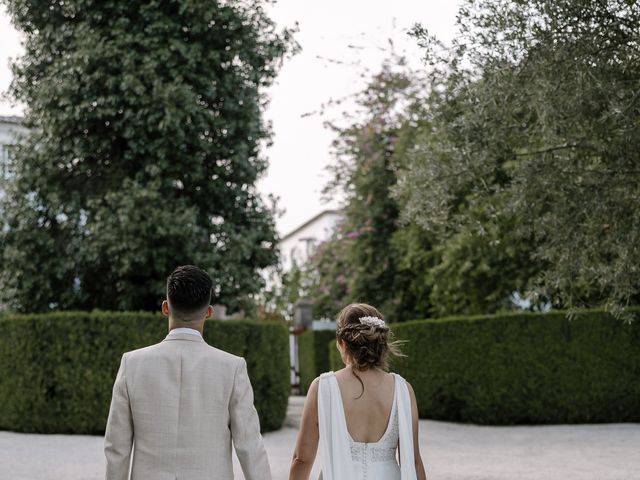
374 322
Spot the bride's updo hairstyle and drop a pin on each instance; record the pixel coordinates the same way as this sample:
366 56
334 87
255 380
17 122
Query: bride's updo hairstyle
367 340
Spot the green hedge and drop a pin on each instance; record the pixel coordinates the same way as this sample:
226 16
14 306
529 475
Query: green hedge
335 360
313 355
523 368
57 370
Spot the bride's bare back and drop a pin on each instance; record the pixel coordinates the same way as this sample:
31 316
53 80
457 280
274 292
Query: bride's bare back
367 412
363 341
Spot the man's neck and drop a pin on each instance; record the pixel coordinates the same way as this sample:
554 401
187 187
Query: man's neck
185 330
198 327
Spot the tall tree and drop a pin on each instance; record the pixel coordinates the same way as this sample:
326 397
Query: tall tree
365 261
535 110
146 120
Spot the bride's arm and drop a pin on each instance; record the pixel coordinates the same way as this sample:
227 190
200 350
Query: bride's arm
307 443
420 472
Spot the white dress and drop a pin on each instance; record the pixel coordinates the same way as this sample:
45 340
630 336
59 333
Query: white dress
342 458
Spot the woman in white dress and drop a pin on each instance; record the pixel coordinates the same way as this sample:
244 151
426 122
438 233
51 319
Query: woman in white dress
363 420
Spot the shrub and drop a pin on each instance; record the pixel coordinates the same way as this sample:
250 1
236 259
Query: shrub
57 369
335 360
313 355
524 368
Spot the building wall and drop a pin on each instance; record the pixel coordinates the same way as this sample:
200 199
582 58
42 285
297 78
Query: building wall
11 130
300 244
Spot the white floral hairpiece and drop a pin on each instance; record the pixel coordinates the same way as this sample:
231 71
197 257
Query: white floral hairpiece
374 322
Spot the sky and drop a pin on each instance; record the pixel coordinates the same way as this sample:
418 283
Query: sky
339 40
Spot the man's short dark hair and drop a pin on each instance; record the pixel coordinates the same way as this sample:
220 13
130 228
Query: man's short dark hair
188 290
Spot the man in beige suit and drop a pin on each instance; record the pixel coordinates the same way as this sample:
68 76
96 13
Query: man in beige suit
178 405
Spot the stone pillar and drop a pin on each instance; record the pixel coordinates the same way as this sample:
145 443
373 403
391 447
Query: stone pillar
302 314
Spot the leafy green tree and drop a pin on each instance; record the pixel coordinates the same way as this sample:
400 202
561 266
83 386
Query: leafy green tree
404 269
365 262
145 125
535 143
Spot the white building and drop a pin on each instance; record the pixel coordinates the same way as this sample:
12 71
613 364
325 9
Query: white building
11 130
297 246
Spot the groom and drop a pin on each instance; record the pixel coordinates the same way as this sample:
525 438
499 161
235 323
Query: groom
182 402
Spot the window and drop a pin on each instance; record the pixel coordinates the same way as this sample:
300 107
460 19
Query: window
6 159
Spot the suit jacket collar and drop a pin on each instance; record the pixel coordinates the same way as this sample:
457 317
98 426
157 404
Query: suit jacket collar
184 336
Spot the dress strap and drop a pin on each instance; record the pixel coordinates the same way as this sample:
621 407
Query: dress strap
405 427
334 440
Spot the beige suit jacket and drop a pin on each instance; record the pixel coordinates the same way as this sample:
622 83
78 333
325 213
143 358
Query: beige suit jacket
177 406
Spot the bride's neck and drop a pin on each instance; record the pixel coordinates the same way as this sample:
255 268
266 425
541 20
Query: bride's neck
367 372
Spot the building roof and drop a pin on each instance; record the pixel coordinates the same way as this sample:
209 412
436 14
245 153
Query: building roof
11 119
309 222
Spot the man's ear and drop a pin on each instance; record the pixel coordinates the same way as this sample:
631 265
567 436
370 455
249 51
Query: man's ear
165 308
209 312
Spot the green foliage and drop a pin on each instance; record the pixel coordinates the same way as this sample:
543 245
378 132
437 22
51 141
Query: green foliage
364 262
285 290
57 369
404 269
511 165
313 355
146 124
335 360
531 152
364 171
473 271
524 368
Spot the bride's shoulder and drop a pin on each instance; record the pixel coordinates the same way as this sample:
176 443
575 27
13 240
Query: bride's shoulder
412 394
338 374
402 380
317 380
399 377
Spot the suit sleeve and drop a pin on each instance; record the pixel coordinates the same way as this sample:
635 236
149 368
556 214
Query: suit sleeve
118 439
245 428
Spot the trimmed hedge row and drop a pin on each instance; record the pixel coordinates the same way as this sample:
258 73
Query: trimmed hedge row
57 370
335 360
523 368
313 356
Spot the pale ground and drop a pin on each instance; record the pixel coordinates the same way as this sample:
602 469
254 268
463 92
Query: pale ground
451 451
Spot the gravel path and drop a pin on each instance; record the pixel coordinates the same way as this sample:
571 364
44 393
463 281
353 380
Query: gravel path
452 452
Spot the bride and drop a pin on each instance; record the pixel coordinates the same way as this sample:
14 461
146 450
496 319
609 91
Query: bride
363 420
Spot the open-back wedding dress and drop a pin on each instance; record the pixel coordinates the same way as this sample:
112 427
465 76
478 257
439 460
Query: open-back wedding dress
342 458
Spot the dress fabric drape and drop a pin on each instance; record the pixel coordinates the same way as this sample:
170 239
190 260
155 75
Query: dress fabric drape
342 458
